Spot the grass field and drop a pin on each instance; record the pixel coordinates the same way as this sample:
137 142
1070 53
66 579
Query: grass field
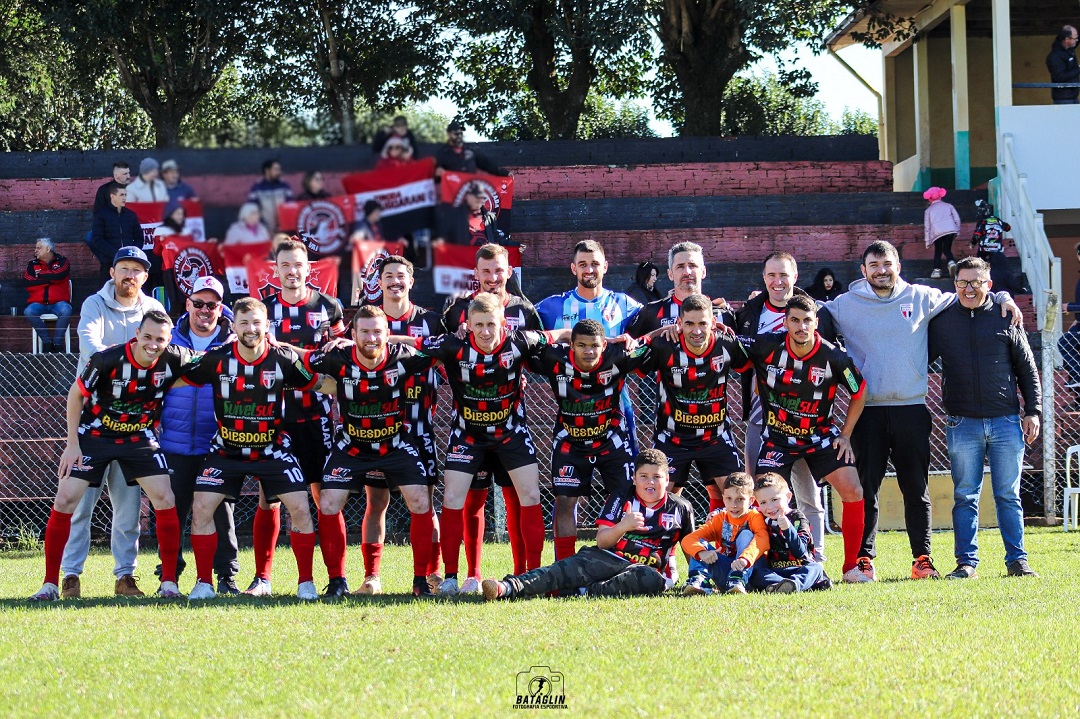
991 647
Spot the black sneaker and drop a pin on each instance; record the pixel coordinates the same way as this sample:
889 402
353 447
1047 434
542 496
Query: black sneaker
227 585
1020 568
822 584
336 589
784 586
421 589
963 571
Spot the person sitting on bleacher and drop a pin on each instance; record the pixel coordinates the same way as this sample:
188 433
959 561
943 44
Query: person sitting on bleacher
48 290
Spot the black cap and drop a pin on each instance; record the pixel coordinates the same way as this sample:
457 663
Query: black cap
455 126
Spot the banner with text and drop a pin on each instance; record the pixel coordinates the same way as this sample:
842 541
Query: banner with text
406 193
189 260
150 215
499 192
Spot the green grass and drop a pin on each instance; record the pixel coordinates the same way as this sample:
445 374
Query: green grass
991 647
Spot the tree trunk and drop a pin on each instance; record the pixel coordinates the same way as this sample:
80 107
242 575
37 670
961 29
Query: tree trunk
166 130
561 108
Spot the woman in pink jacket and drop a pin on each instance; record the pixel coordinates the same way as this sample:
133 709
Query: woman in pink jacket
941 225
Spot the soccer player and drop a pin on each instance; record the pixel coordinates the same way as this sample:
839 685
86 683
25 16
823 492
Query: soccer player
304 318
636 532
686 268
250 376
372 385
798 375
111 411
587 378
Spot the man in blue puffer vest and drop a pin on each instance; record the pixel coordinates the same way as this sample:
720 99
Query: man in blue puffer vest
188 424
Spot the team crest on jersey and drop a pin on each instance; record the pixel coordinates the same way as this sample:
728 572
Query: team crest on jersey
604 376
907 310
158 378
609 314
316 319
667 521
415 331
717 363
817 376
512 323
390 376
268 377
506 360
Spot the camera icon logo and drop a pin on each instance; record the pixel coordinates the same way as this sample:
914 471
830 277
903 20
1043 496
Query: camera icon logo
540 688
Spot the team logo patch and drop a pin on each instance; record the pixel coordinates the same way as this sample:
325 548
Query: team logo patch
513 323
817 376
459 453
716 363
506 360
158 378
667 521
609 314
907 310
416 331
771 459
390 376
268 377
566 471
316 320
604 376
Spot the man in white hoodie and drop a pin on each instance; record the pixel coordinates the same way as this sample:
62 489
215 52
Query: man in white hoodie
108 318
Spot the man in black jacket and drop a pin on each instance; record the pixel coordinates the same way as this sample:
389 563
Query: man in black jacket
466 224
121 173
984 360
115 226
456 156
1061 62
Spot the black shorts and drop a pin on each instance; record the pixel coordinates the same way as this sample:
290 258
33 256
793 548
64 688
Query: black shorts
136 460
718 459
492 469
515 450
572 472
311 443
400 467
278 474
821 463
424 442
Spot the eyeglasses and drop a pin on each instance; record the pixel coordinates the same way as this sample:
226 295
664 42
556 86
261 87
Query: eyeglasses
977 284
199 304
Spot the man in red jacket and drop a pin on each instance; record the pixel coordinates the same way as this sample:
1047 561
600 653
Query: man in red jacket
48 291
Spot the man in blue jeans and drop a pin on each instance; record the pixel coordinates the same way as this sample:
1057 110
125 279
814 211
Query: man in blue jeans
48 289
984 361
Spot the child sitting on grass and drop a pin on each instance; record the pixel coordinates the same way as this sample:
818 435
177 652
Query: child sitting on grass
788 565
739 535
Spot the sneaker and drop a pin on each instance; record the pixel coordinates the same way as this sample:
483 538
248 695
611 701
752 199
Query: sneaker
434 580
422 588
784 586
697 584
735 588
71 587
866 566
952 268
963 571
49 592
227 585
169 590
1020 568
372 585
822 584
126 587
201 590
936 274
856 575
494 589
923 568
259 587
470 586
307 592
447 587
338 588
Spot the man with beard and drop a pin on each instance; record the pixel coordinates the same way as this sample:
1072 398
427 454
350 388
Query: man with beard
686 268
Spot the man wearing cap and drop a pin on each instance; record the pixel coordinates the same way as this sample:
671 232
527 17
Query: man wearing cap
115 226
455 156
177 188
399 130
148 187
108 318
468 224
188 425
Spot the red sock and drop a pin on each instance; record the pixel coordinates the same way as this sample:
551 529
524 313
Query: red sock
332 544
57 531
168 538
853 522
433 558
475 502
264 536
532 530
203 547
513 528
303 548
715 503
452 522
565 547
372 552
420 537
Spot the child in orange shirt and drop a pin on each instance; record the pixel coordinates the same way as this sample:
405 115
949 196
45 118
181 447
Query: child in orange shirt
730 542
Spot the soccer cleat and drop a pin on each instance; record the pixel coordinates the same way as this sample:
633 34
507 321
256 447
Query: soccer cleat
307 592
201 590
866 566
49 592
1020 568
259 587
433 580
696 584
71 587
784 586
169 590
735 588
963 571
494 589
227 585
470 586
855 575
447 587
372 585
336 589
126 587
421 589
923 568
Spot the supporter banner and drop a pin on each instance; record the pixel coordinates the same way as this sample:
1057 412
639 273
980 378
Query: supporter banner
235 259
150 215
406 193
499 191
189 260
325 222
454 264
263 282
367 262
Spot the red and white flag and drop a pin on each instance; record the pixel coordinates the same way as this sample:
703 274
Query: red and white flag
189 260
454 267
263 282
235 258
367 262
406 193
151 214
499 192
326 222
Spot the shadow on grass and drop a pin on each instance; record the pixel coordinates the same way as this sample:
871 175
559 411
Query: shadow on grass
228 602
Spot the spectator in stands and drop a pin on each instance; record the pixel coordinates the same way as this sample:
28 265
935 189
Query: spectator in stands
115 226
455 156
369 229
248 228
172 221
395 153
313 186
643 288
148 186
270 192
48 290
178 189
110 317
941 225
825 286
467 224
121 175
398 131
1061 62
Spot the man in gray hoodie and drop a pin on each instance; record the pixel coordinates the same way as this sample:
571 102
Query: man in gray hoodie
885 324
110 317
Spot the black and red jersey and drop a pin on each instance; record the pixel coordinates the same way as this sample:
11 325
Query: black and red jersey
486 387
308 325
372 402
692 405
797 393
665 312
665 526
249 396
519 313
423 389
124 396
590 415
791 547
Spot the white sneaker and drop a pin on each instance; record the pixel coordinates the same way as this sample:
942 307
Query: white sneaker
202 590
856 576
447 587
49 592
372 585
169 590
307 592
259 587
470 586
935 274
